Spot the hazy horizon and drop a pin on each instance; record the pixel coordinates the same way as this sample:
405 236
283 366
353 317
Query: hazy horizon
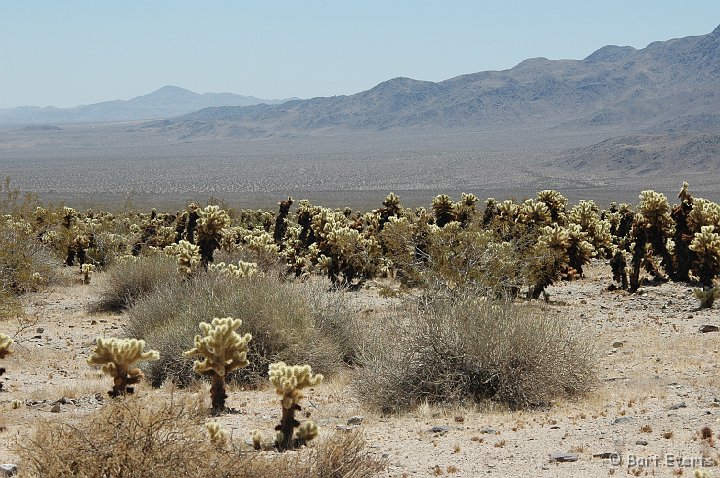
79 52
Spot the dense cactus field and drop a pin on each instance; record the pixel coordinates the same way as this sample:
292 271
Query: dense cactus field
271 293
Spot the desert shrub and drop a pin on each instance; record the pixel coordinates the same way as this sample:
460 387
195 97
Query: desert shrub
165 439
457 348
129 279
283 322
25 264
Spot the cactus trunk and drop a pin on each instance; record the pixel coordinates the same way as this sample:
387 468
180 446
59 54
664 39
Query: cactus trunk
287 427
217 393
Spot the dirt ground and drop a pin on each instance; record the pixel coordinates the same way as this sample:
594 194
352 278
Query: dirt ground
658 387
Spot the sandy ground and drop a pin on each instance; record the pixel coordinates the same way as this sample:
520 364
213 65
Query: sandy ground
658 386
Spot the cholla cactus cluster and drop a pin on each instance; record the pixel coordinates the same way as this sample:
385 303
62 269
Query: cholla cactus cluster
222 350
211 222
87 269
289 381
242 270
188 257
116 356
706 245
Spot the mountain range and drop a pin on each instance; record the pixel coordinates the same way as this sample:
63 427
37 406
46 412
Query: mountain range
165 102
667 86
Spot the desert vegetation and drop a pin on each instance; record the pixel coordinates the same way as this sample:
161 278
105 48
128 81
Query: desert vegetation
269 299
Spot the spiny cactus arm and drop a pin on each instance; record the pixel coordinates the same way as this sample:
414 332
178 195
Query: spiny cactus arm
5 343
117 354
218 437
288 380
223 350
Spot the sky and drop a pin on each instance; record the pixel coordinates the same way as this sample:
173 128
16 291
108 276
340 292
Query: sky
71 52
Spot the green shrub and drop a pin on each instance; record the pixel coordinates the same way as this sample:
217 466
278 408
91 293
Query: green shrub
281 317
129 279
460 349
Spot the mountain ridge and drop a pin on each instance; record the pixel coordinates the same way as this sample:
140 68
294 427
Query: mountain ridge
166 101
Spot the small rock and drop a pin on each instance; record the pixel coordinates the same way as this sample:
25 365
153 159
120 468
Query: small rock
604 455
39 330
622 420
488 430
356 420
346 428
460 419
677 406
8 469
440 429
37 336
55 408
93 322
618 344
641 442
709 328
563 457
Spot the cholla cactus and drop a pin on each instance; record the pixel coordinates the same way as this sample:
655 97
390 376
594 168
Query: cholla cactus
281 222
87 269
116 356
555 202
534 213
706 245
218 437
5 343
211 222
653 226
443 209
188 255
223 350
288 382
466 209
707 296
242 270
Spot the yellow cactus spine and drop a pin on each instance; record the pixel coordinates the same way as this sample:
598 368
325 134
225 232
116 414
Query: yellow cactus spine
115 356
223 350
288 382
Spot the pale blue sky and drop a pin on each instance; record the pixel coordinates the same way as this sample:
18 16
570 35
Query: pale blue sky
73 52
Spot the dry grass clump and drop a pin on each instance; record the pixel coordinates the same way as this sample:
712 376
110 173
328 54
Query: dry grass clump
128 280
283 319
464 349
167 438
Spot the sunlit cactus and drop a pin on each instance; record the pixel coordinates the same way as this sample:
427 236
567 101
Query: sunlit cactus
651 229
5 343
188 256
555 202
534 213
87 269
707 296
241 270
706 245
116 356
223 350
289 381
391 208
443 209
465 209
219 437
211 222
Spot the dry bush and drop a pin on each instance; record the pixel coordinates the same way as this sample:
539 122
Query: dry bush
128 280
459 349
284 320
166 438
